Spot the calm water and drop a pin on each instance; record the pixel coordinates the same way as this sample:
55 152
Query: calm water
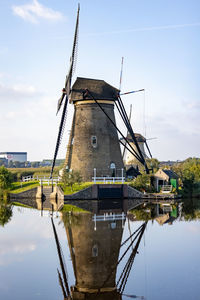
167 265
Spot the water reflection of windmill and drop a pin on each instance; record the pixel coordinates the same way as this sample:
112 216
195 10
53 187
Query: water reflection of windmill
93 142
95 257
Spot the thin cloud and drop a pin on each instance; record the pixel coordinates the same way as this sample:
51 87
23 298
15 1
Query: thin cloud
153 28
35 11
17 92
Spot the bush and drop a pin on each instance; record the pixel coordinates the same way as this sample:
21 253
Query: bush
142 183
70 178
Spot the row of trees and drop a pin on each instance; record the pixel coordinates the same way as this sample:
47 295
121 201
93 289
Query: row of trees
189 174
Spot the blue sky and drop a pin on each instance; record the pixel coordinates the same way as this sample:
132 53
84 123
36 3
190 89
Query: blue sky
159 41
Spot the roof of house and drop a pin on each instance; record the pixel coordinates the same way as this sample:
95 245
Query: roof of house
100 90
170 173
131 171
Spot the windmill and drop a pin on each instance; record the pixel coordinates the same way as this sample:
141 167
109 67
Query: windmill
93 143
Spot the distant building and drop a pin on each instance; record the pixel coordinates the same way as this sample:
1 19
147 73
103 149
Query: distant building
14 156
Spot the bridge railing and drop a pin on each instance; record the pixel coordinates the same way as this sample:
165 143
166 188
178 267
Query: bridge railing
108 179
112 217
42 179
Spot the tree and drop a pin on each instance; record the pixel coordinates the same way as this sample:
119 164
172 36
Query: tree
189 174
70 178
142 182
153 164
5 178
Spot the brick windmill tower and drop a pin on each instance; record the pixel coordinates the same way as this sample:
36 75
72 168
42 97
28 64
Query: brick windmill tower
93 142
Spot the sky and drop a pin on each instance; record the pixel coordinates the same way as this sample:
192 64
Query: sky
160 43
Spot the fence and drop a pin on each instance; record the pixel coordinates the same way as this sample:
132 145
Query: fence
42 179
118 176
112 217
166 188
108 179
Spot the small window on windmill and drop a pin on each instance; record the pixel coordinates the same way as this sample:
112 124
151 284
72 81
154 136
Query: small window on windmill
94 141
95 251
112 168
72 141
112 165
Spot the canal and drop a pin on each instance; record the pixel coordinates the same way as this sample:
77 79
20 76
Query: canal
152 252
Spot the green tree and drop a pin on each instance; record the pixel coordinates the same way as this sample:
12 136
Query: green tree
5 178
142 183
153 164
189 174
71 178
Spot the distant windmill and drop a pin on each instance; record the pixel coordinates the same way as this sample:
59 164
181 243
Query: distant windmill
93 142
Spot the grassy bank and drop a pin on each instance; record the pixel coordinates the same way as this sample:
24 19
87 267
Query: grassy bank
73 208
21 205
18 187
76 188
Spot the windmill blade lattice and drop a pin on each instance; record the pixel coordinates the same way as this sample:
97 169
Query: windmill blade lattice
66 92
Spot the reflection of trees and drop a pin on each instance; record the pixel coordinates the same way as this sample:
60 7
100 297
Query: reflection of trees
5 208
5 214
191 209
142 213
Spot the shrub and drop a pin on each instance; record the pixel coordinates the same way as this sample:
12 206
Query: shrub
70 178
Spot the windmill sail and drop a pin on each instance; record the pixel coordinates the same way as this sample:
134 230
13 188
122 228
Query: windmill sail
66 92
67 88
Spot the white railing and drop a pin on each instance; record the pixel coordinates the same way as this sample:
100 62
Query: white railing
109 217
108 179
28 178
166 188
41 179
49 181
112 217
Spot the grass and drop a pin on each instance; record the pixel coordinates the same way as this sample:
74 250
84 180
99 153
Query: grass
73 208
18 187
20 204
76 188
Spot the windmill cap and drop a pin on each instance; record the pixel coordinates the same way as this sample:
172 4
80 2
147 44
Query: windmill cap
99 89
139 138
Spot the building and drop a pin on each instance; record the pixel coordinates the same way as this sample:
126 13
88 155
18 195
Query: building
130 159
14 156
164 177
93 142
